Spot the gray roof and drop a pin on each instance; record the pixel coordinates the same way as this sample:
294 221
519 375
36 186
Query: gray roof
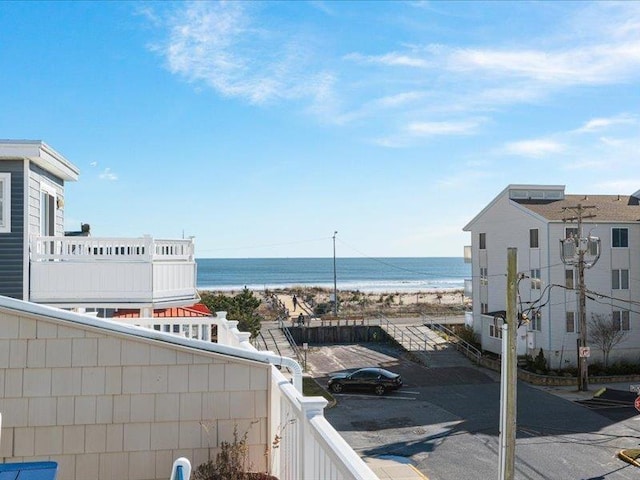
608 208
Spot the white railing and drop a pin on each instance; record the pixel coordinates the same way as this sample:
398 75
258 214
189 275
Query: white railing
144 249
304 446
111 271
468 256
468 287
197 328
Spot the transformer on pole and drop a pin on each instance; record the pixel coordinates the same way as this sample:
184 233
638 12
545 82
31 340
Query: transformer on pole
580 252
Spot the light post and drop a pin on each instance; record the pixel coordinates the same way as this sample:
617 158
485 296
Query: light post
335 282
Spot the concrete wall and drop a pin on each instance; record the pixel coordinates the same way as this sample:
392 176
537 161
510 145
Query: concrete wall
110 405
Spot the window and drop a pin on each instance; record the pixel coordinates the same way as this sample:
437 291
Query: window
535 322
484 276
533 238
482 240
495 328
569 275
621 319
5 202
571 232
535 279
47 211
620 279
620 237
571 322
484 307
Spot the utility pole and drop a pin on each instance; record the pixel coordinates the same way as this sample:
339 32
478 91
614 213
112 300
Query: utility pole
335 278
573 252
509 373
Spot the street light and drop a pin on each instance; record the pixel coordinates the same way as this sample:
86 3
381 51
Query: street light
335 283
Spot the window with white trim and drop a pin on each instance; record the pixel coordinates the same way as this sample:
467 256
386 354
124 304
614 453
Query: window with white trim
495 327
535 322
620 237
619 279
5 202
571 232
621 319
484 275
571 322
535 279
47 210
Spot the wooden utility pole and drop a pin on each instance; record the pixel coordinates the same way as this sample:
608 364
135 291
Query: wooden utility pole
509 373
583 368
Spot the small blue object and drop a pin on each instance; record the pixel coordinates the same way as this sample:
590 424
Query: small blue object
29 471
179 474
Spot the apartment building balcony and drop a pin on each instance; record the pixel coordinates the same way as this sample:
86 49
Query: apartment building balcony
112 272
468 287
467 254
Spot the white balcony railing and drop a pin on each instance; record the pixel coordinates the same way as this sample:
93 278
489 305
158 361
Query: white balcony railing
467 254
112 271
468 287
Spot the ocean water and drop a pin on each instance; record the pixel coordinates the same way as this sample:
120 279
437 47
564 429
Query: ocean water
364 274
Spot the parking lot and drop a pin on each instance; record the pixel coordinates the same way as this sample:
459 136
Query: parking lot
445 421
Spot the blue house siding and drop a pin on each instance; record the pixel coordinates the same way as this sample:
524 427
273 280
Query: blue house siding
11 244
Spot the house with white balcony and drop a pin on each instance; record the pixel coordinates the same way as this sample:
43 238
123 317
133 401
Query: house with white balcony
125 396
42 265
534 219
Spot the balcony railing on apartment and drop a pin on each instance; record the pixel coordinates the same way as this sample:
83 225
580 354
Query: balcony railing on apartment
468 287
467 254
117 271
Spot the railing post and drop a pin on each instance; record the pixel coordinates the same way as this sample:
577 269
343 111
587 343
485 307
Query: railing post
310 407
148 247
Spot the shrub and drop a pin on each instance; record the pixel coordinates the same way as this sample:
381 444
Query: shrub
231 463
322 308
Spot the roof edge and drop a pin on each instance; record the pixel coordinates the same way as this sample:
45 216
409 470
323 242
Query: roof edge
81 320
42 155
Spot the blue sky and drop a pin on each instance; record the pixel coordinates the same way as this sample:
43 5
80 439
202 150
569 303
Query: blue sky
261 128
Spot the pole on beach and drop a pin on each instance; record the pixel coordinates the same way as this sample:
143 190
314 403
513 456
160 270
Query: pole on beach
335 278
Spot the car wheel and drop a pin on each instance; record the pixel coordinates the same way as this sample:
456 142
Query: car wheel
379 389
336 387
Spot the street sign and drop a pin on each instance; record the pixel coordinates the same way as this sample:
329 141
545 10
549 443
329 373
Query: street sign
305 346
636 403
634 388
585 352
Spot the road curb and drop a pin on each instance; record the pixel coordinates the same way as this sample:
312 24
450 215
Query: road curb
623 456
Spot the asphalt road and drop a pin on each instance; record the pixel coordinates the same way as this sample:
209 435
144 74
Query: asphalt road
446 421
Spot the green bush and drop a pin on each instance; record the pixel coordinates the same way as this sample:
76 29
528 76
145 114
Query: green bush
322 309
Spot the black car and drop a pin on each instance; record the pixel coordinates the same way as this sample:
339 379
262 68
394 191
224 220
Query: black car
376 379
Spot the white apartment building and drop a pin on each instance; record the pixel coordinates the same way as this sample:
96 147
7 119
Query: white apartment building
533 219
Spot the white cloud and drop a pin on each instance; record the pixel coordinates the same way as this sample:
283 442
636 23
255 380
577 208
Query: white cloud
399 100
424 129
392 59
94 164
533 148
218 44
107 174
598 124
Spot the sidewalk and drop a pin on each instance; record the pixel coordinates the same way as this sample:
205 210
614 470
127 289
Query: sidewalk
393 468
572 393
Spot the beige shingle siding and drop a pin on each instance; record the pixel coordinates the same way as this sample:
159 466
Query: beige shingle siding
102 403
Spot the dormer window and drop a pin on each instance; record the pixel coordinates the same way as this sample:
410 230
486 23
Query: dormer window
5 202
